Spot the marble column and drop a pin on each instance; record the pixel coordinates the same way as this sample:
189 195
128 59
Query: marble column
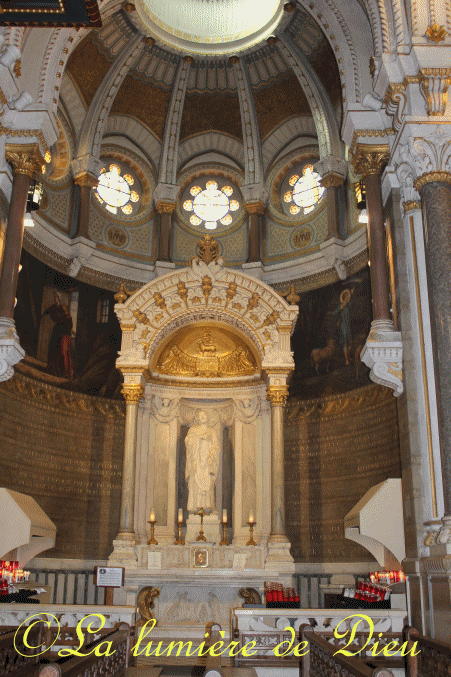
277 395
165 234
436 203
86 182
369 161
132 393
25 161
124 544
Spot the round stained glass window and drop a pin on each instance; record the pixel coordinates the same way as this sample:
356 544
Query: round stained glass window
210 205
113 190
306 191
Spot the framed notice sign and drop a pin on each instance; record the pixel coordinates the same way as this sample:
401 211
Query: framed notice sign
109 577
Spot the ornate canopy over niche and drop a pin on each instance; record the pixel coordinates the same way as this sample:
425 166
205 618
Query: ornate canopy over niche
206 350
205 322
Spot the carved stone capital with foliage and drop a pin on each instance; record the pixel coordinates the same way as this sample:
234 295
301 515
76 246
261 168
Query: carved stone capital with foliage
370 159
277 395
25 158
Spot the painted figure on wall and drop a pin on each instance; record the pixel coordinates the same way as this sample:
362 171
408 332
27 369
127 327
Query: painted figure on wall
202 461
344 322
59 362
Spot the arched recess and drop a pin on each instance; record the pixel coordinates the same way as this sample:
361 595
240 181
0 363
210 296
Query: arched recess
284 134
124 125
205 142
205 293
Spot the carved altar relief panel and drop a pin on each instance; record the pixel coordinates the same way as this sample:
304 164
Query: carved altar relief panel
206 350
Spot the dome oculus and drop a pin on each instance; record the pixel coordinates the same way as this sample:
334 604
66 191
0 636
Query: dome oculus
210 26
114 190
210 205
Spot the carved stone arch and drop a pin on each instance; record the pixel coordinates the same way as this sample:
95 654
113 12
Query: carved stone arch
205 294
345 27
204 142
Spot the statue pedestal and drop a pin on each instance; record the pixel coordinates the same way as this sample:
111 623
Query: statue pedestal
211 527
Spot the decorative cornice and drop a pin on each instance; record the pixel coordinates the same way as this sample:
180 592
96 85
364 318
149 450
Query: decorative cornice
434 85
370 159
24 158
20 133
50 397
369 133
277 395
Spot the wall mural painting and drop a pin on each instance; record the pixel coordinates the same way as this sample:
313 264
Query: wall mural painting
68 330
330 333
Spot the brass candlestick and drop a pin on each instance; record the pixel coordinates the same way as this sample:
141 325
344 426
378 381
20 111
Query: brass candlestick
201 536
251 533
152 540
224 539
179 540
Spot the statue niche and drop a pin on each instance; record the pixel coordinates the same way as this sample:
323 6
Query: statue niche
202 461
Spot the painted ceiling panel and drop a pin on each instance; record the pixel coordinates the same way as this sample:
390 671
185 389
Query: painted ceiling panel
203 113
144 102
88 66
278 102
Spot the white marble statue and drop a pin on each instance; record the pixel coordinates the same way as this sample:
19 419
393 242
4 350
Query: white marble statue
202 460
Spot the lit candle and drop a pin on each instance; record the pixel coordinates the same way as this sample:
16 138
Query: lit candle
224 516
180 517
251 517
152 516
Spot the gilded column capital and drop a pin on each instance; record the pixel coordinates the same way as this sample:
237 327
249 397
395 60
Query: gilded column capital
432 177
370 158
411 206
165 207
132 392
25 158
86 179
257 207
277 395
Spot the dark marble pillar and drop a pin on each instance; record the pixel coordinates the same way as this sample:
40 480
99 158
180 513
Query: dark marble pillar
25 161
370 161
277 395
436 203
86 182
254 238
165 236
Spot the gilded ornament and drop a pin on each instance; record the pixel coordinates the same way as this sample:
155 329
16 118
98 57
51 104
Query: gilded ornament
205 352
208 249
17 69
145 603
123 294
431 177
159 301
132 392
206 287
436 33
277 395
291 296
165 207
370 159
86 179
269 319
128 7
141 317
252 303
411 205
256 207
24 158
182 291
230 292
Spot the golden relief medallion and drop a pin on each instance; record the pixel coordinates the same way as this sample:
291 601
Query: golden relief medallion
206 352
